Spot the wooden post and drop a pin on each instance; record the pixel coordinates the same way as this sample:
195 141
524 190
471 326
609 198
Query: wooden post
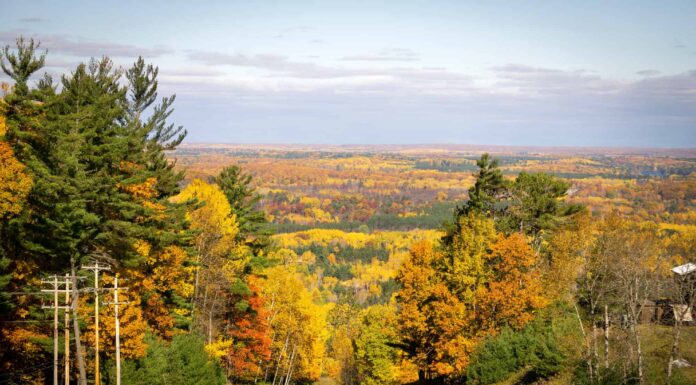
54 290
55 330
96 326
118 333
117 326
97 267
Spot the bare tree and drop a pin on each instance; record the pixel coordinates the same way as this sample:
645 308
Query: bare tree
635 277
683 301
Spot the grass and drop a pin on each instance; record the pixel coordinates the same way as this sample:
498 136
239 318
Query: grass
656 343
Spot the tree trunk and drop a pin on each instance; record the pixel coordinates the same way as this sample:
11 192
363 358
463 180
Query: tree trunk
595 355
606 337
639 352
76 326
280 356
587 344
675 341
288 376
210 319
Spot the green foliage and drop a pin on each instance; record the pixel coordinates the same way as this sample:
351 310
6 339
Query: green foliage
244 200
183 362
532 204
536 204
534 348
374 355
488 186
22 64
611 376
87 147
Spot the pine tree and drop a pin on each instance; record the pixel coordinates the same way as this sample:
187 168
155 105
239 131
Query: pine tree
488 186
536 206
101 180
182 362
244 200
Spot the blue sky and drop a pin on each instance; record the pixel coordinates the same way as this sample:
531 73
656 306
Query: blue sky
588 73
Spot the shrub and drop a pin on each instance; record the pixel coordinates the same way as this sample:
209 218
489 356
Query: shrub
534 348
182 362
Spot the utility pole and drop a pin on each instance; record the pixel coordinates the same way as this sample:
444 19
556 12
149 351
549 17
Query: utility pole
96 267
55 284
117 328
67 329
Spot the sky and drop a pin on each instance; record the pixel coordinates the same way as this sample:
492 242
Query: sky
571 73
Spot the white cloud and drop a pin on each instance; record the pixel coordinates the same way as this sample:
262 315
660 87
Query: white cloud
83 47
387 55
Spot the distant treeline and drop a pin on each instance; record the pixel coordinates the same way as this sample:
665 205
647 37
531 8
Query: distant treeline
432 218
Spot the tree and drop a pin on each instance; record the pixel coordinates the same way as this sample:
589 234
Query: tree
536 206
243 200
21 65
87 156
636 264
535 348
220 260
417 333
250 332
475 284
514 289
487 189
298 327
14 183
182 362
682 247
579 272
375 355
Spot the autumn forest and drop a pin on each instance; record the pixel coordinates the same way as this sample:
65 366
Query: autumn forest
130 256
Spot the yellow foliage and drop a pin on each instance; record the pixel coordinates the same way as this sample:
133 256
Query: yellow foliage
219 348
15 184
132 324
213 218
142 190
298 323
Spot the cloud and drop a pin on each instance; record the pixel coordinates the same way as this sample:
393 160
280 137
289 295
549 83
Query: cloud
83 47
265 61
536 80
297 29
279 71
33 20
388 55
648 73
192 72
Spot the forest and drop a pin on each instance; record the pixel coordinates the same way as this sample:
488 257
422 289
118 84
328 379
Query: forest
129 257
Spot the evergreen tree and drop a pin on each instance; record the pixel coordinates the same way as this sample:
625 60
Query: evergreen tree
489 186
183 362
244 199
537 205
532 203
93 159
158 135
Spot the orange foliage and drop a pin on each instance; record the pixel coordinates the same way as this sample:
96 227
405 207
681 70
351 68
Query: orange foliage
250 335
514 291
163 275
